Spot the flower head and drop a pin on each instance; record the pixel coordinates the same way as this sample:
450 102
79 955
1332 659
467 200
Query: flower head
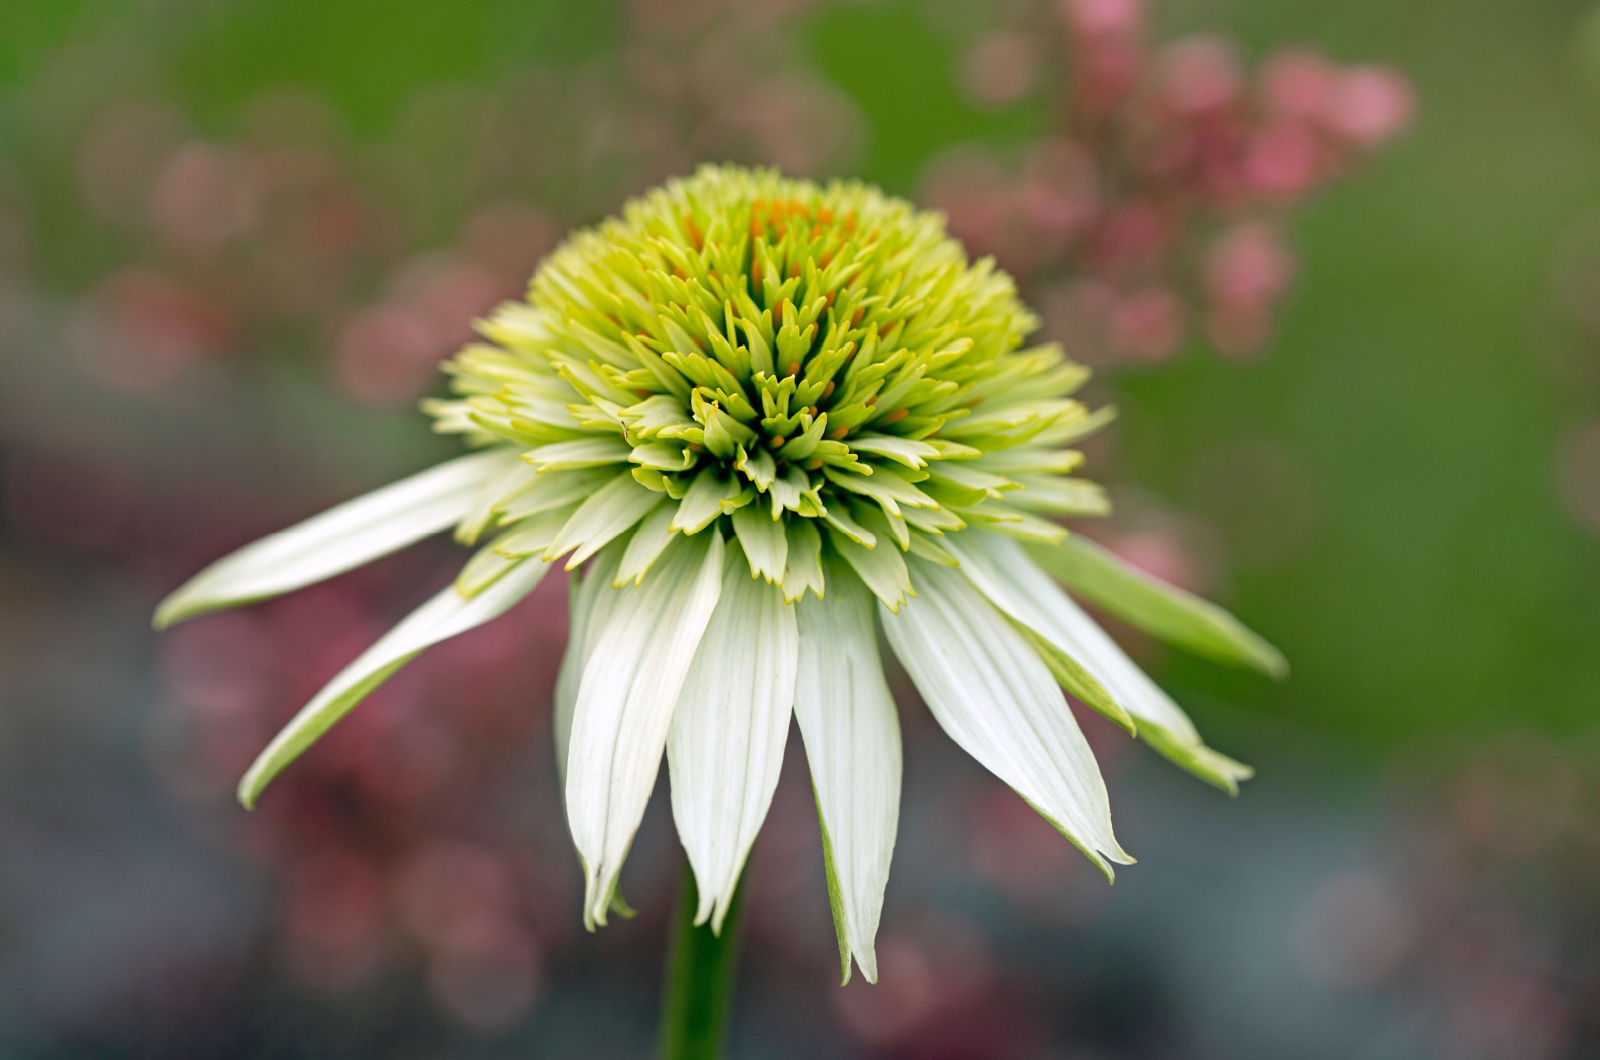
738 414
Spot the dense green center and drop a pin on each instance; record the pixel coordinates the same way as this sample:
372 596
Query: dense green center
739 339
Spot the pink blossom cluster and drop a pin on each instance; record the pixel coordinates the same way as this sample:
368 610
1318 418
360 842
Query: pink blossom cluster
277 240
1158 205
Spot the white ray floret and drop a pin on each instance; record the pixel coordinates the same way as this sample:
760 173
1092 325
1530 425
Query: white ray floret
447 615
725 747
625 702
340 539
852 736
992 694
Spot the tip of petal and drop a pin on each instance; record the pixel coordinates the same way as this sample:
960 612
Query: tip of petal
182 605
1273 662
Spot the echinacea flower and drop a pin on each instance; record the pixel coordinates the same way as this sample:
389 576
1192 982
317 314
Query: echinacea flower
738 414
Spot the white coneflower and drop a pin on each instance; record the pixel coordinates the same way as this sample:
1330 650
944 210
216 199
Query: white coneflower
739 414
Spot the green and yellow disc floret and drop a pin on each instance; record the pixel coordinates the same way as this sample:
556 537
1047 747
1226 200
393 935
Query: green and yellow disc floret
806 366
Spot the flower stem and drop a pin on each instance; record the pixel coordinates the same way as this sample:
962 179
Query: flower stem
701 969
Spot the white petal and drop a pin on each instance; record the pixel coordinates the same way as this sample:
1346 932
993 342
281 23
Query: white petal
589 600
987 687
446 615
1001 569
725 747
339 539
629 688
984 559
852 736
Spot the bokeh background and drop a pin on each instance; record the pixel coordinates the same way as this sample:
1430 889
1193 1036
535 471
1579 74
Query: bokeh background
1336 261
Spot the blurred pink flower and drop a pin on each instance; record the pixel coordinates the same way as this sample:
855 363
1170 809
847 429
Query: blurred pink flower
1148 323
203 197
1199 75
1370 105
1001 68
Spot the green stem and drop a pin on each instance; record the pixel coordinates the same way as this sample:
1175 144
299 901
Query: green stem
700 974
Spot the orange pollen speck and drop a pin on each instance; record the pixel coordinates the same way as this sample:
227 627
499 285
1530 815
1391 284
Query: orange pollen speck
794 367
897 415
827 391
838 433
855 318
776 441
871 401
814 463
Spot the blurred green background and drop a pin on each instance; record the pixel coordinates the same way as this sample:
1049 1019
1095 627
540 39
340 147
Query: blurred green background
1402 491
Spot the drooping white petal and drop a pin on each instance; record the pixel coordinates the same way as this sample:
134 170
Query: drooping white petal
725 747
630 686
1001 569
987 687
1162 610
446 615
340 539
852 736
589 603
1063 660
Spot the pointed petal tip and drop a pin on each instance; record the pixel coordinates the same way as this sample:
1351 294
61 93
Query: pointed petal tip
183 604
620 907
248 791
